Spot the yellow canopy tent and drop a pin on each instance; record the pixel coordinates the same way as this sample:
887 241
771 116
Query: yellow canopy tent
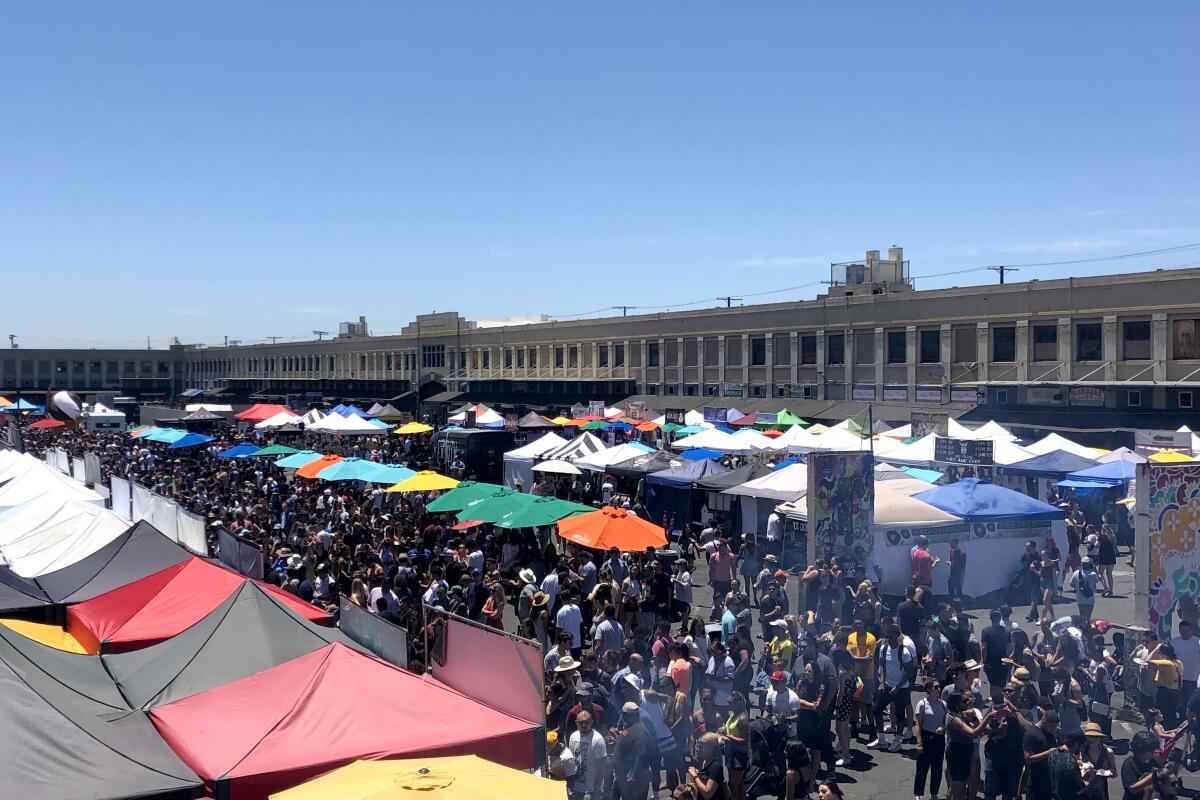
561 420
449 778
424 481
4 401
413 427
49 635
1170 457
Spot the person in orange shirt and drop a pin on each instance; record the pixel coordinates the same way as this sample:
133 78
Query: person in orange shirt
861 644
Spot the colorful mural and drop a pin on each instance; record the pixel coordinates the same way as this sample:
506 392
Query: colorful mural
1173 509
841 505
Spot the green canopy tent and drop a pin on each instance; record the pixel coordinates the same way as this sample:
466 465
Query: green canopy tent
786 419
542 511
463 495
274 450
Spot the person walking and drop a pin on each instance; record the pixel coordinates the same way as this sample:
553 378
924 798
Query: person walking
1084 583
931 740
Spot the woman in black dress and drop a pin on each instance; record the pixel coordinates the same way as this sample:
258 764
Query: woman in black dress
1107 558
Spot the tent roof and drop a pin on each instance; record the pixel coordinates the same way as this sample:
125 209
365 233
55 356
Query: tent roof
734 477
713 439
891 508
783 484
208 407
282 725
544 443
1111 473
581 445
277 420
794 438
646 463
63 752
603 459
336 423
973 499
1053 442
1121 454
989 430
17 593
202 415
80 677
44 480
251 631
71 531
1057 463
242 450
921 452
260 411
686 473
161 605
535 420
388 411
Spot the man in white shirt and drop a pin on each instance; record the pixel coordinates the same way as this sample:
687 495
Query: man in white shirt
591 760
610 636
774 532
781 702
606 490
551 586
1187 650
898 659
570 619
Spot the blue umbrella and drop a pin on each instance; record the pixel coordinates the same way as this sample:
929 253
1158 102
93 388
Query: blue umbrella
298 460
191 440
391 473
165 435
701 453
349 469
243 450
620 426
722 429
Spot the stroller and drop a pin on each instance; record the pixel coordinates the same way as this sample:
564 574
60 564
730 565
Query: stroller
765 775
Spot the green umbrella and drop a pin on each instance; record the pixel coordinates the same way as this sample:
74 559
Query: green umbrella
462 495
671 427
491 509
542 511
596 425
274 450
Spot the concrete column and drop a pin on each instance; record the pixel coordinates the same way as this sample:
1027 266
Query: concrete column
662 364
910 360
1110 344
745 363
595 359
880 361
1160 343
848 358
794 372
821 365
1066 351
770 343
1022 345
721 359
628 358
644 377
983 349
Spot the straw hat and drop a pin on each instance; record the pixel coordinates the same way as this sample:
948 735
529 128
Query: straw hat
1093 729
566 664
539 599
527 575
971 665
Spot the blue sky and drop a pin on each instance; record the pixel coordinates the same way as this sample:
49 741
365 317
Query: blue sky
256 169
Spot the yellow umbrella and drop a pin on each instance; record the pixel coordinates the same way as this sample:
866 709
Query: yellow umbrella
413 427
49 635
424 481
561 420
450 778
1170 457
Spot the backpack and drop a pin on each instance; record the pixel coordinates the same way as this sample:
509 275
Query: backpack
1084 582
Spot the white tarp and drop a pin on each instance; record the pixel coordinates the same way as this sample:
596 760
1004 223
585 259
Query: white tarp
72 531
582 445
119 494
44 480
1054 442
352 425
78 470
174 523
603 459
310 418
713 439
920 453
781 484
91 469
991 430
192 532
794 437
62 462
277 421
518 464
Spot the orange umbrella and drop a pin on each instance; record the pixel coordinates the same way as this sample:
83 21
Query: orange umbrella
612 527
311 469
646 427
771 433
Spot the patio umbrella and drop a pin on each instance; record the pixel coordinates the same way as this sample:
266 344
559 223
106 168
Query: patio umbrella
467 777
647 426
561 420
687 430
349 469
596 425
413 427
463 495
274 450
391 473
612 527
191 440
491 509
313 468
297 460
43 424
1162 457
424 481
557 467
542 511
242 450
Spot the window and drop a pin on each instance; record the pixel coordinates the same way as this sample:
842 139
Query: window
671 388
1183 339
1004 344
60 367
619 355
1089 344
835 348
690 389
896 347
332 363
1186 399
508 358
1002 397
758 351
520 358
603 355
758 390
652 354
487 359
808 349
1133 398
929 346
1045 342
433 356
559 357
781 346
1136 340
652 388
573 356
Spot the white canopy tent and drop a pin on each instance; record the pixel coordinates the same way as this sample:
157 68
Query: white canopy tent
755 438
603 459
215 408
903 432
794 438
990 430
921 453
908 486
352 425
309 418
713 439
582 445
41 480
1120 454
518 464
51 532
759 497
1054 442
278 421
484 417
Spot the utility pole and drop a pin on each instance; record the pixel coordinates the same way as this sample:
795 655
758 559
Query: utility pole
1002 270
274 339
729 300
12 341
624 309
320 334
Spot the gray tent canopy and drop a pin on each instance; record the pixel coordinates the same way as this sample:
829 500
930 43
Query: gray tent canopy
249 632
640 466
58 750
734 477
18 594
534 420
81 678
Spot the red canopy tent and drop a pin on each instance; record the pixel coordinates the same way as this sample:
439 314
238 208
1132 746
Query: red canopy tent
278 728
48 423
260 411
162 604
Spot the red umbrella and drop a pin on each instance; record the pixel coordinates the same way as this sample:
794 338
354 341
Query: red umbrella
46 424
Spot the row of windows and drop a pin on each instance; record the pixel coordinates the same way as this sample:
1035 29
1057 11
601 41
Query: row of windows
59 369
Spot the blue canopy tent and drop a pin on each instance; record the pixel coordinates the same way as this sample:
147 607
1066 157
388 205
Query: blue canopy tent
927 475
338 409
787 462
976 500
1055 464
669 491
243 450
165 435
1104 476
353 410
702 454
21 405
298 460
191 440
723 428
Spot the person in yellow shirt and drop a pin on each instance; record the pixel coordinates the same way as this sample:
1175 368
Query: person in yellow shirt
781 643
861 644
1168 674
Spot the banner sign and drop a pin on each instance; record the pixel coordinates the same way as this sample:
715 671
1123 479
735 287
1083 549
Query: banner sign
841 506
388 641
1166 585
802 390
578 410
239 555
766 418
925 423
970 452
941 534
636 409
895 394
674 415
717 415
595 408
863 393
927 394
1044 396
733 390
967 396
1158 440
1087 396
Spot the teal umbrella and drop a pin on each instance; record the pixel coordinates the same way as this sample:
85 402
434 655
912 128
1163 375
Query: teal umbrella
298 460
350 469
390 473
460 496
542 511
165 435
491 509
274 450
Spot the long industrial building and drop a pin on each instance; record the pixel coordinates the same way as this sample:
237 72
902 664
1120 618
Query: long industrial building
1120 351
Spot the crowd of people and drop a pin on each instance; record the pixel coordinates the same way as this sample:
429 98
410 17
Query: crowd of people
707 669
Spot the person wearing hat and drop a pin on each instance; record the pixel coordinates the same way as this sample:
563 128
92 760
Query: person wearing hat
1084 583
1098 754
770 609
585 701
560 760
529 588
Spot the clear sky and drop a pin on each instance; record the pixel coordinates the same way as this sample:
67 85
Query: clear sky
257 168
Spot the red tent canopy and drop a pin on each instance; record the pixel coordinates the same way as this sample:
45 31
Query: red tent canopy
277 728
260 411
162 604
48 423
